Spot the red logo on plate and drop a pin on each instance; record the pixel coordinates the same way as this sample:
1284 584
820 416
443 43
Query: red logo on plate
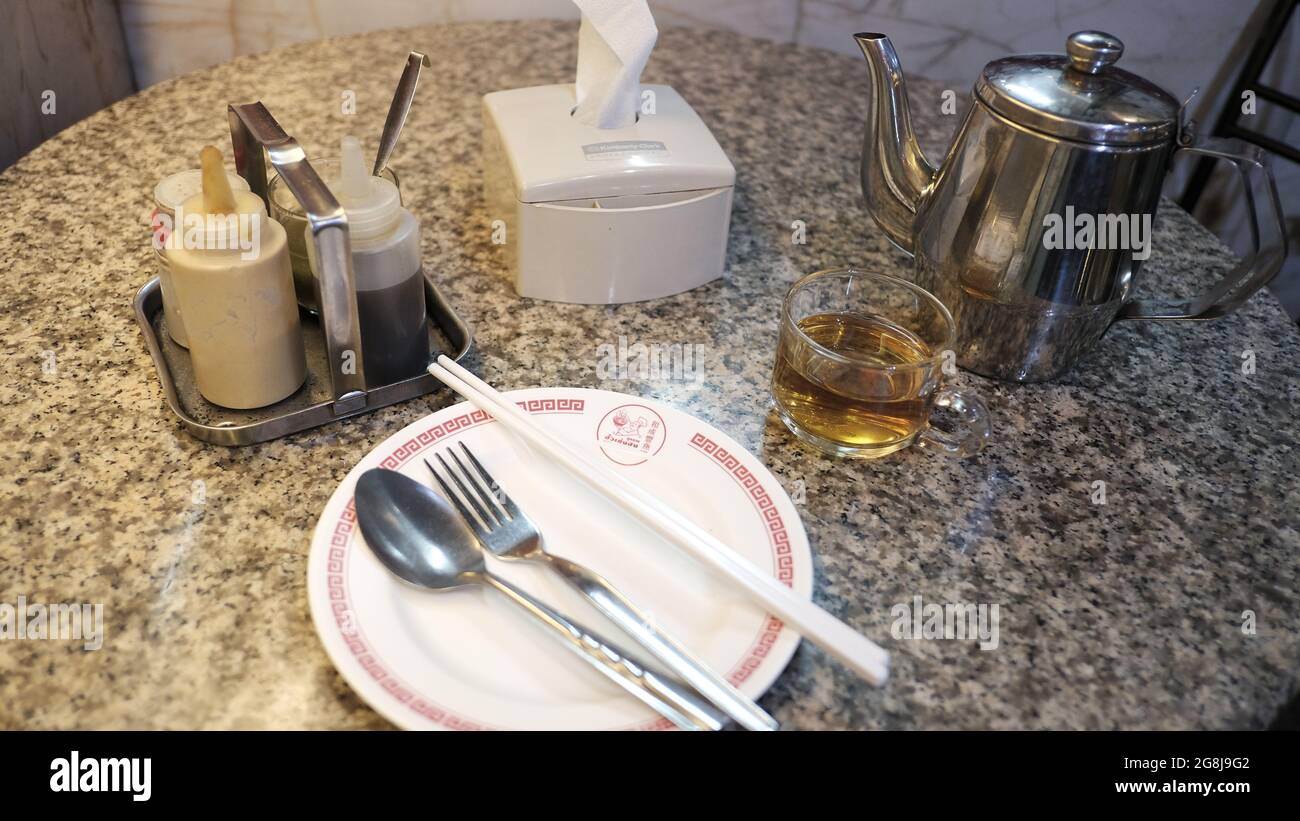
631 434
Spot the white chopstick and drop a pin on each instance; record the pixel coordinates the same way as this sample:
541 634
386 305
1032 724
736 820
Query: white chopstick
832 635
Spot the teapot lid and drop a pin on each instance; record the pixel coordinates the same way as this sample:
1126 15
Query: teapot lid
1080 95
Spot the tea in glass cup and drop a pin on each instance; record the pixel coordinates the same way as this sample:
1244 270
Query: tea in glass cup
860 367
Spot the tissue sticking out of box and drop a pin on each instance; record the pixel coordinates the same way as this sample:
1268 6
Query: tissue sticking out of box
614 43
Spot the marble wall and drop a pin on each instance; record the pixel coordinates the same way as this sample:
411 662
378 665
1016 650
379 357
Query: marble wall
1177 43
172 37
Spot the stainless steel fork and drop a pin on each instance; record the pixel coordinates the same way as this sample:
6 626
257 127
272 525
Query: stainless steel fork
509 534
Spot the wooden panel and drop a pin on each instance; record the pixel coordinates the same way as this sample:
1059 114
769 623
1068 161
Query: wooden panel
70 49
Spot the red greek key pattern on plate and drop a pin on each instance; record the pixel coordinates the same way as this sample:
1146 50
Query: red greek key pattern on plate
762 500
429 436
758 653
777 533
336 583
555 405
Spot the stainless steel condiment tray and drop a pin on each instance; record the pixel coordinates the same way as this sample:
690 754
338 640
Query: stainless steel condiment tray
311 405
336 386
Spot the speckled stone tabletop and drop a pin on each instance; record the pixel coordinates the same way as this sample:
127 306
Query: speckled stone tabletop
1127 614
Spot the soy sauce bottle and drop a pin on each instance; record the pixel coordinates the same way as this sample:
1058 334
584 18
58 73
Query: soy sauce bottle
385 241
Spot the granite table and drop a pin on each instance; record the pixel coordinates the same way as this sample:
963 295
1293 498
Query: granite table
1122 614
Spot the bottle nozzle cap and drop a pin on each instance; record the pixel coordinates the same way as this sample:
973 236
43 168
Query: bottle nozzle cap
373 204
355 182
217 196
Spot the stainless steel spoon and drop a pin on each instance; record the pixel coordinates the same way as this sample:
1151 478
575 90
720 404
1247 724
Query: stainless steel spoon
415 534
398 109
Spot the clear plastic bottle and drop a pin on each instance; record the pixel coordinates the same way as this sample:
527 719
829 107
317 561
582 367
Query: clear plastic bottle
386 264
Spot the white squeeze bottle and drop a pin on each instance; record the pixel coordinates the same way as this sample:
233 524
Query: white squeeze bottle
385 241
230 269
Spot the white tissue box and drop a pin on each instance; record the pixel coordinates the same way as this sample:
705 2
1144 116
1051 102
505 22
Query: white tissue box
600 216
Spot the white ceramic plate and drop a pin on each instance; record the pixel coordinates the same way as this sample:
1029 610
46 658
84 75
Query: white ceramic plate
470 659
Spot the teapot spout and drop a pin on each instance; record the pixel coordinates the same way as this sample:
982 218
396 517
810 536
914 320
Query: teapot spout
895 172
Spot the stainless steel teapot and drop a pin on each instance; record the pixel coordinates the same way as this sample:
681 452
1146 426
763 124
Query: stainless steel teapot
1033 229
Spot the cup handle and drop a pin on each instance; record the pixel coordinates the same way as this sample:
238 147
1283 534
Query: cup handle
974 431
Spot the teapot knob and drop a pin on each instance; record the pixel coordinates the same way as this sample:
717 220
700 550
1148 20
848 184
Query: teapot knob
1091 51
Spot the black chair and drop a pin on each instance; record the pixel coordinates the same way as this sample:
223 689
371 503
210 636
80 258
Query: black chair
1248 79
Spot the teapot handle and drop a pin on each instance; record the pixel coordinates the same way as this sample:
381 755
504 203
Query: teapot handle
1257 267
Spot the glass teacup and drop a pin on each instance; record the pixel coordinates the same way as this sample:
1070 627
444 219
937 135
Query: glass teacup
860 366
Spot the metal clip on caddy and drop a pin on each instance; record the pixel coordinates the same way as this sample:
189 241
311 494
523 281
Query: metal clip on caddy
333 346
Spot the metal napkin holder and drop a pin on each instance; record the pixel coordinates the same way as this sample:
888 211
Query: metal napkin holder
255 135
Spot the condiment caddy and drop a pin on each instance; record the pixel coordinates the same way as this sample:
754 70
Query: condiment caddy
338 380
